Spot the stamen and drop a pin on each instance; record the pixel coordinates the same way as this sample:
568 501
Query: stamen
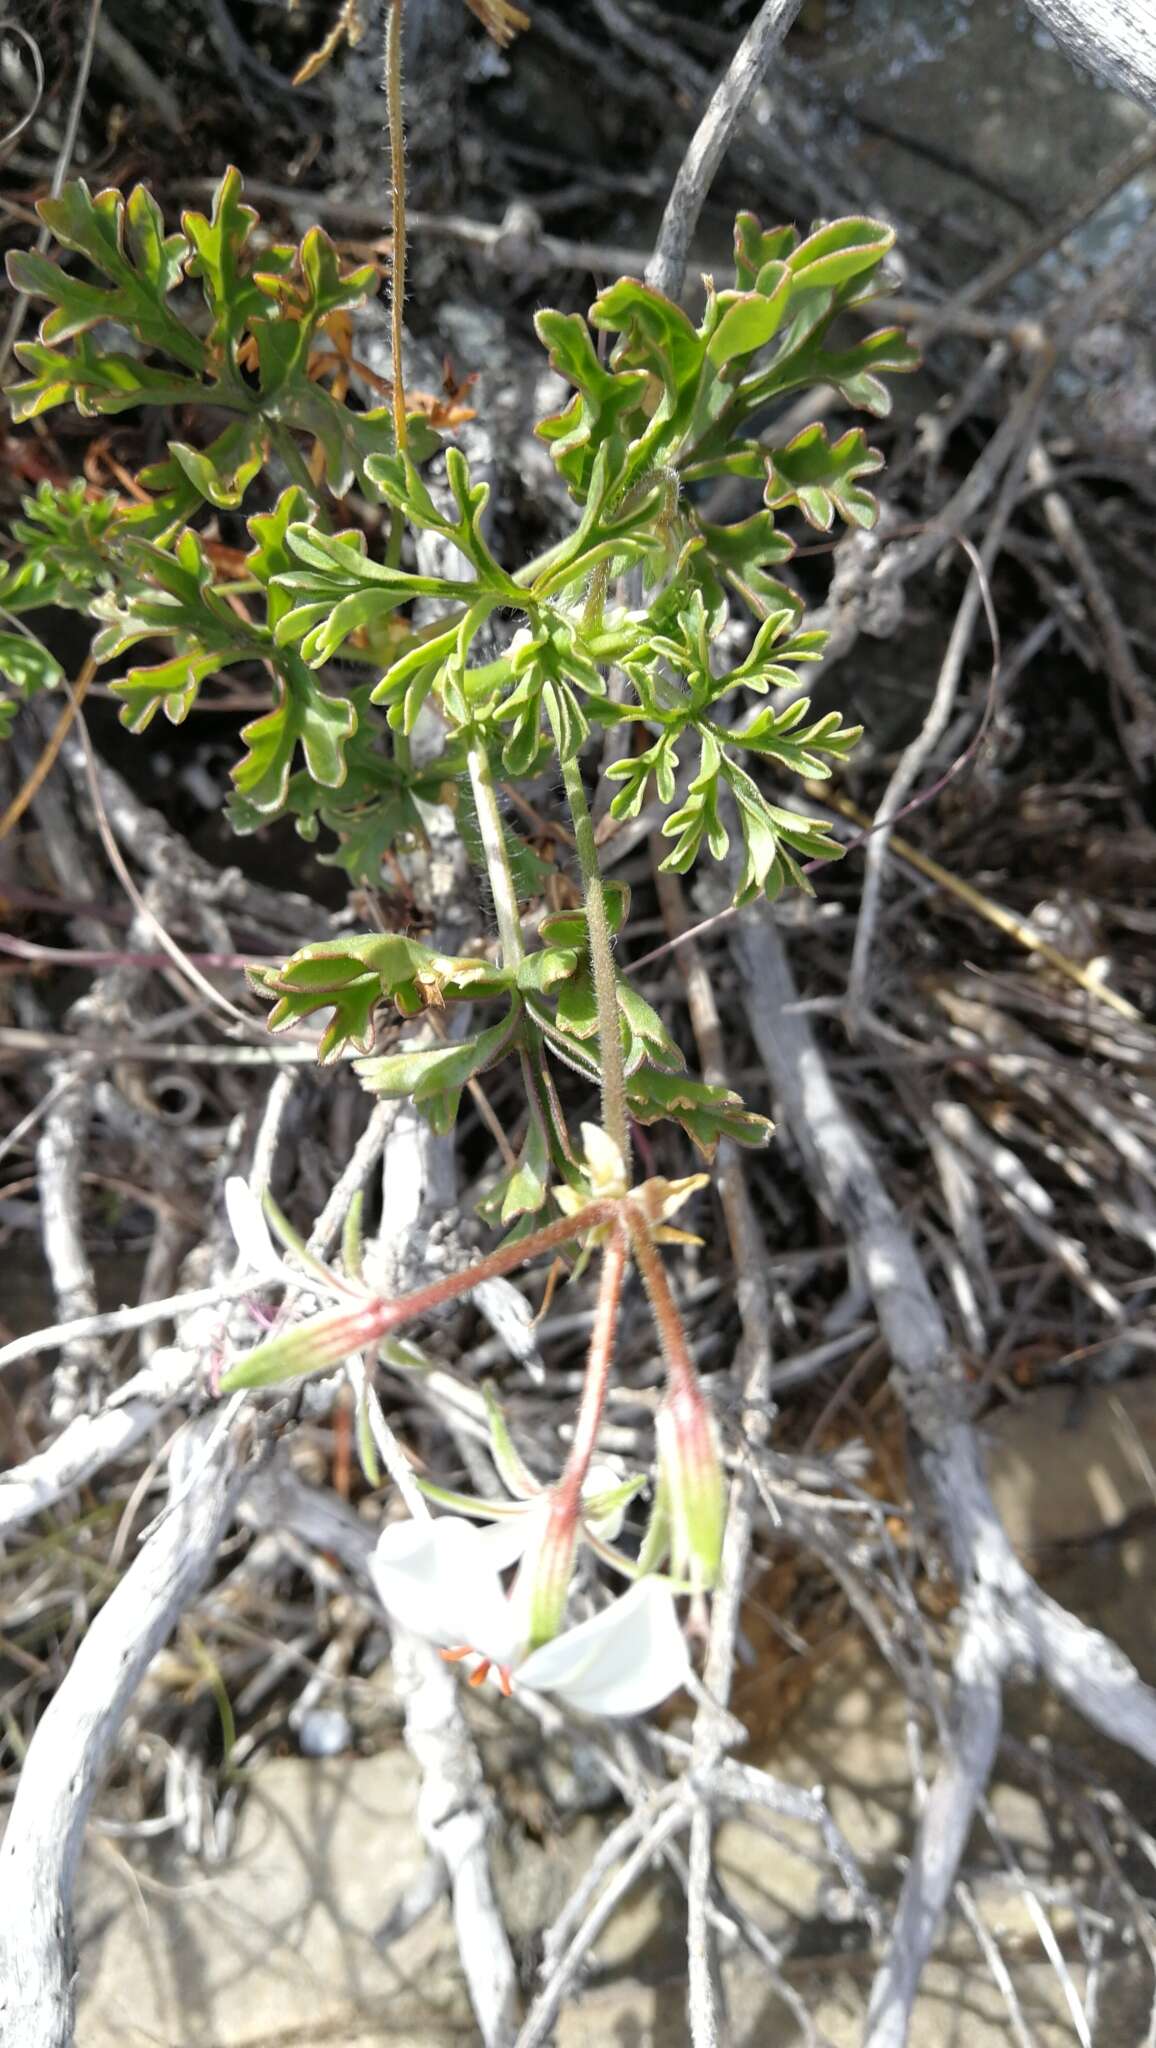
479 1677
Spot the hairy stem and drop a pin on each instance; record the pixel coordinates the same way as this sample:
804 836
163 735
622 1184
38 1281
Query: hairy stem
663 1307
396 117
599 1359
390 1315
614 1116
497 857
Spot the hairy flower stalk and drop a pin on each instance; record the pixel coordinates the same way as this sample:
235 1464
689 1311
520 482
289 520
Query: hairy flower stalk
550 1569
323 1341
690 1469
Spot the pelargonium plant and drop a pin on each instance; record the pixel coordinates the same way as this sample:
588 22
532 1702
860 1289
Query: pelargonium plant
220 321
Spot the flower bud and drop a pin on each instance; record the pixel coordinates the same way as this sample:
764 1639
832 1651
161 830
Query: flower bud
313 1346
693 1484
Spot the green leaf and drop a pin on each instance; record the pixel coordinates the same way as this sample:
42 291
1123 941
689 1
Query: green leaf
342 588
127 245
304 717
634 773
741 554
821 477
28 665
351 976
93 379
524 1191
856 372
606 402
772 837
543 970
435 1076
808 752
657 337
698 818
840 250
568 927
576 1012
397 479
170 593
646 1036
748 320
220 248
705 1113
567 722
755 248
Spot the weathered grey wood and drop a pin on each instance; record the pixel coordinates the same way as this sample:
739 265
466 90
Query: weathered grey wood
1115 39
74 1741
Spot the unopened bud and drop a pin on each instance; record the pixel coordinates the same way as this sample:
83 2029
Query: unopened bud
314 1346
693 1484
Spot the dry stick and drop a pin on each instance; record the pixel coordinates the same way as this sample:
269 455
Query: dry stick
708 145
453 1810
754 1367
19 1038
1122 664
1003 919
544 2012
91 1442
935 724
970 1745
1135 158
1112 38
1017 1617
72 1746
363 1159
177 955
112 1322
52 746
526 255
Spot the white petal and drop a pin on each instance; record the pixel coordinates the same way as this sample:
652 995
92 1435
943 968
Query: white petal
623 1661
600 1481
250 1231
505 1540
438 1580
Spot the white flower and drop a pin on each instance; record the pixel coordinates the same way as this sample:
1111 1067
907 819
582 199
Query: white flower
441 1580
255 1247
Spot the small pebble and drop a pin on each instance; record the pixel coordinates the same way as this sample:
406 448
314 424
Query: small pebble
324 1731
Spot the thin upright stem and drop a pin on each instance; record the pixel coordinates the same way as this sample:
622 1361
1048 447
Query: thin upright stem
498 870
599 1359
396 115
614 1114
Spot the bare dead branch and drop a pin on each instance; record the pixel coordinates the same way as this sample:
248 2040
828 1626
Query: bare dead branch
970 1743
74 1741
708 145
1111 38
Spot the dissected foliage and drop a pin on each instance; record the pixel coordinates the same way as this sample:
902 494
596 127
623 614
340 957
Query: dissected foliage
213 317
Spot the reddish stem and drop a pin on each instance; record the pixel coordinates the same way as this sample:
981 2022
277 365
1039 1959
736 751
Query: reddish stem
599 1359
389 1315
663 1307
